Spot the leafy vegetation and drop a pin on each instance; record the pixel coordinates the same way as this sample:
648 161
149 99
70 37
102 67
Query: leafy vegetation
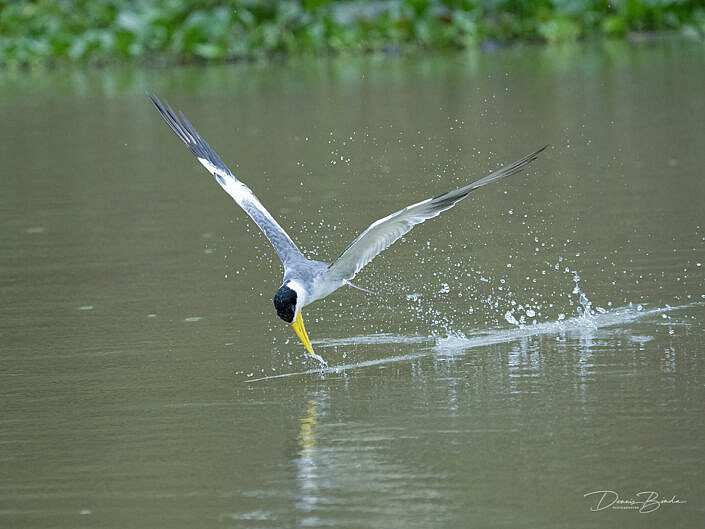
41 31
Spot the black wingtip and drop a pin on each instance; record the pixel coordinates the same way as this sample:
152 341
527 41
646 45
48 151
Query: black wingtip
156 102
187 133
536 153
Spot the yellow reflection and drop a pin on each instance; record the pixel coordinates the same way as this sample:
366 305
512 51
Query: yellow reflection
307 461
307 438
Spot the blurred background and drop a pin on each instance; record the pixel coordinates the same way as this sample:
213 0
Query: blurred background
177 31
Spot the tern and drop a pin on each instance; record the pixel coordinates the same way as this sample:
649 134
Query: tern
307 280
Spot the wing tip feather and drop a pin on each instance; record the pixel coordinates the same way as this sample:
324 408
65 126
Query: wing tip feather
186 132
356 255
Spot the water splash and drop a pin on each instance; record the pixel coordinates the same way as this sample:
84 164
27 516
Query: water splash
587 321
585 310
509 316
457 343
369 339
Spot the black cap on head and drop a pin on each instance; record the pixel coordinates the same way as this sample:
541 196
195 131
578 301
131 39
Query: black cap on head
285 303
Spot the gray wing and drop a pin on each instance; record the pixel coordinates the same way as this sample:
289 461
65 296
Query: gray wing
282 243
382 233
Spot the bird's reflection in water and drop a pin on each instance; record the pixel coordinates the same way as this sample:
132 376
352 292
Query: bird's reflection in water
308 454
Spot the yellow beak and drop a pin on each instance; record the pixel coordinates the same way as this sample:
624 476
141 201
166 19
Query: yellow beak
298 326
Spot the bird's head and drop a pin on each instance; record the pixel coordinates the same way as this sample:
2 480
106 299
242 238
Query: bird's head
288 301
285 302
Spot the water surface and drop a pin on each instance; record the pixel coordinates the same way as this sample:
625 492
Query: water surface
540 341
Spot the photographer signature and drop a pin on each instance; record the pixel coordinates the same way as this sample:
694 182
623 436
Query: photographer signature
645 501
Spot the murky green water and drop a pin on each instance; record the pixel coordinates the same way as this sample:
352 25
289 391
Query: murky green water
141 352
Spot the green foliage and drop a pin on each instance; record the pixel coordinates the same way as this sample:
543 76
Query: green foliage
37 32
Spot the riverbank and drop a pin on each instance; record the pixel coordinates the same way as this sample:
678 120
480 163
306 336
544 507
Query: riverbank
81 31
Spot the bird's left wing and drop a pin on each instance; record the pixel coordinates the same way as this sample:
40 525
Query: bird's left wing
282 243
382 233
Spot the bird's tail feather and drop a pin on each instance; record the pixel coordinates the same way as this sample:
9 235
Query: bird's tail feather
360 288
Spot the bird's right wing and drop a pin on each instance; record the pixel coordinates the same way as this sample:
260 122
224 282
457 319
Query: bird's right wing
282 243
382 233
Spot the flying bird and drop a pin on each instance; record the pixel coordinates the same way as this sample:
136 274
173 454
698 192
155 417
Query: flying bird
308 280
